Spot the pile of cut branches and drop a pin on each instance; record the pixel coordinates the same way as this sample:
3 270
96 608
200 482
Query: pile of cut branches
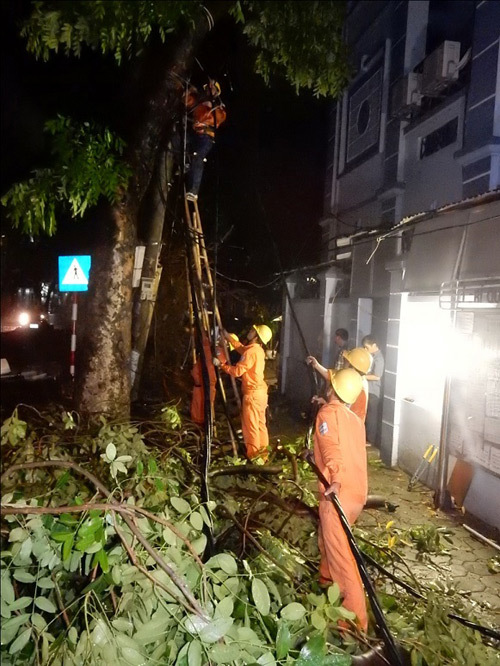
109 557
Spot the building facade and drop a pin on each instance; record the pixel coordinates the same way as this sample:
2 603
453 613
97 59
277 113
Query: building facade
411 238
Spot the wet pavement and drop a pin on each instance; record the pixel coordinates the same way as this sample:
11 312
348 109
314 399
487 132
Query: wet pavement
463 564
465 561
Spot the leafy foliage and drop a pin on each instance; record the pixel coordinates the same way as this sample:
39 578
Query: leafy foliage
300 40
79 586
118 27
87 164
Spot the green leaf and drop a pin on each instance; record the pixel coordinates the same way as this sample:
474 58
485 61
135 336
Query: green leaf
225 562
200 544
67 547
180 504
133 657
20 641
8 594
214 631
15 622
38 621
267 659
224 608
283 640
45 604
347 614
333 593
196 521
337 660
293 612
224 654
318 621
313 652
24 576
261 596
20 603
194 653
46 583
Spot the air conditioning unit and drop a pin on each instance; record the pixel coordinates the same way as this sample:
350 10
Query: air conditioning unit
440 69
406 97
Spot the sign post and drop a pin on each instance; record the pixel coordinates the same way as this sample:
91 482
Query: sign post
74 274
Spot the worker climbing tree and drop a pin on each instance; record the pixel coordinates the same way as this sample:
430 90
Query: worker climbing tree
205 114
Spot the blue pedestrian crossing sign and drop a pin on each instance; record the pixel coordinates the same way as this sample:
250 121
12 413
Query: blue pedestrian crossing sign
74 273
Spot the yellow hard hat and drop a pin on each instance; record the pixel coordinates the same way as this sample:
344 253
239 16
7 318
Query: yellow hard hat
233 339
215 84
359 358
347 384
264 332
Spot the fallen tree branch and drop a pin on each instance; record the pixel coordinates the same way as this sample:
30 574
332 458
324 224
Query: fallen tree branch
228 514
13 509
66 464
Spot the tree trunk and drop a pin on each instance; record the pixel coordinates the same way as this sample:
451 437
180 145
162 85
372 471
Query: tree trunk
104 371
104 387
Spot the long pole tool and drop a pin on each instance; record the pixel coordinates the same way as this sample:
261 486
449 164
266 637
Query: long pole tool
393 652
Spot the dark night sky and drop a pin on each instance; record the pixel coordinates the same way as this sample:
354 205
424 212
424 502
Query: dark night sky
268 160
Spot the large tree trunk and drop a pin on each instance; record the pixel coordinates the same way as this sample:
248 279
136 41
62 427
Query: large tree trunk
104 385
104 370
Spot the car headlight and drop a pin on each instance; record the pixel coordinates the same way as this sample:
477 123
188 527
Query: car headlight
24 319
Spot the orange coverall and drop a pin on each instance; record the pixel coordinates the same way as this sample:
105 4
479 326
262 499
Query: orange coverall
250 368
360 405
198 397
340 453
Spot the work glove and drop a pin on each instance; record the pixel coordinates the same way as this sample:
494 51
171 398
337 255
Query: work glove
216 362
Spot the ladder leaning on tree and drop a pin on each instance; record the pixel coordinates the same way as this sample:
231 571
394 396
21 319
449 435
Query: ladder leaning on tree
204 291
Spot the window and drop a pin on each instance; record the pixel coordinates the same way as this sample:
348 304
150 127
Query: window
441 137
364 117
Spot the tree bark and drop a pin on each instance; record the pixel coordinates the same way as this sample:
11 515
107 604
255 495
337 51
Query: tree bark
104 370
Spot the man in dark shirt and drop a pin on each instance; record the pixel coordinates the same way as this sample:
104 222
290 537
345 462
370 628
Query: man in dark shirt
373 378
341 339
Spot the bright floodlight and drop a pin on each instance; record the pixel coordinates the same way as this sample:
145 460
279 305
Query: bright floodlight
24 319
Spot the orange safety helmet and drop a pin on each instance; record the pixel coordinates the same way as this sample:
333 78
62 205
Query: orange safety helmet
359 358
347 384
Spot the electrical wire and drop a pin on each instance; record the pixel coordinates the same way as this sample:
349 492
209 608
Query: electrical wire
258 286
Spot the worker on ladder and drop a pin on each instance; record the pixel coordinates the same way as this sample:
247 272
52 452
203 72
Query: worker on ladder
250 368
198 396
339 453
206 113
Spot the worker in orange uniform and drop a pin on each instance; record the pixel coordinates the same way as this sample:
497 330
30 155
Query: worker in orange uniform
206 112
198 397
359 359
340 454
250 368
